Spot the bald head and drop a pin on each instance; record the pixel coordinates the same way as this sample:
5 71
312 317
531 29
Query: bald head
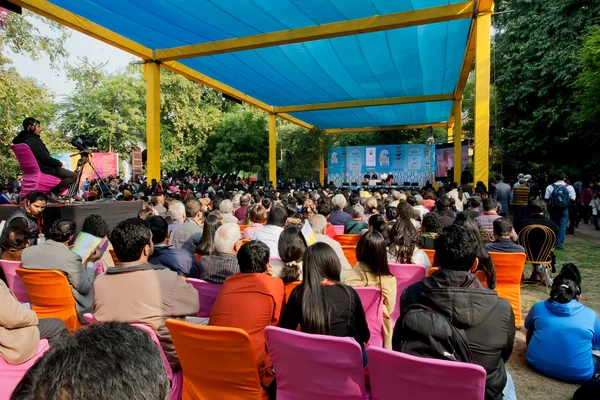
318 223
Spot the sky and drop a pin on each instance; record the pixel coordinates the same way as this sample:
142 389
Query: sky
78 46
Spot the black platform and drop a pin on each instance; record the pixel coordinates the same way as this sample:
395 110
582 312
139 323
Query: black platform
112 211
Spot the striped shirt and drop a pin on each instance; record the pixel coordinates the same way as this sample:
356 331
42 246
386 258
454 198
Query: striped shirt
217 267
520 195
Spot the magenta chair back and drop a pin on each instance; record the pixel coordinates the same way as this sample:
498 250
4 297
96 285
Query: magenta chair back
406 275
339 229
207 293
394 375
33 178
316 366
11 375
372 301
14 281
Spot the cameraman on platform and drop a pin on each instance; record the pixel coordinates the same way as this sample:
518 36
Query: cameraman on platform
48 165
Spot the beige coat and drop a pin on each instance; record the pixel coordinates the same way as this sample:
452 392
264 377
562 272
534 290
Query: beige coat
147 294
19 335
361 275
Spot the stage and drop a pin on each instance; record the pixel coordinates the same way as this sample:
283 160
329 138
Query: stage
112 211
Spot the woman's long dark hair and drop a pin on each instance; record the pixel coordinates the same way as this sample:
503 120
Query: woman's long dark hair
319 263
206 247
566 285
372 251
403 240
485 260
291 248
377 223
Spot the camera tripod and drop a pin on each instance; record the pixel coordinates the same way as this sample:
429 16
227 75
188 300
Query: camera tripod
83 160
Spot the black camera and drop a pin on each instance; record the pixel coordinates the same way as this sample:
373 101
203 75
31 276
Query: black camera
83 143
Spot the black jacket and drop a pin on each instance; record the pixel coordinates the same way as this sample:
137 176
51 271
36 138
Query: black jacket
38 148
488 321
178 260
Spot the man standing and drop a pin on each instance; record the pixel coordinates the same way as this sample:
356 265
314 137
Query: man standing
502 194
520 200
584 204
48 165
559 196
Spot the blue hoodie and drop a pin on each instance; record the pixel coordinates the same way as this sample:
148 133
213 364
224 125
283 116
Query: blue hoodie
563 338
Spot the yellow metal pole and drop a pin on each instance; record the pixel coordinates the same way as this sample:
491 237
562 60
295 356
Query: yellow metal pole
482 97
457 140
322 161
152 73
450 135
273 149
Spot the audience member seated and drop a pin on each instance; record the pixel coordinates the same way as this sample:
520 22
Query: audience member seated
474 210
323 305
13 241
442 208
96 225
257 216
217 267
324 209
338 216
21 331
378 223
159 205
562 332
291 250
485 260
226 208
207 243
54 254
430 229
177 260
391 214
370 208
187 235
269 234
503 230
251 300
102 361
396 195
403 247
485 221
372 270
419 207
455 292
137 291
30 212
177 215
356 225
429 200
241 212
318 223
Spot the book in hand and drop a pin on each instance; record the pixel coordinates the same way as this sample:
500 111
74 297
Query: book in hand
85 244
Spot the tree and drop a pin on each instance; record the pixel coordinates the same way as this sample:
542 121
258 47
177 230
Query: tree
298 151
588 82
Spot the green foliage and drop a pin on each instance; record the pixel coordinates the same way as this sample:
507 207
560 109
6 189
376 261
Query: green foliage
390 137
588 82
298 150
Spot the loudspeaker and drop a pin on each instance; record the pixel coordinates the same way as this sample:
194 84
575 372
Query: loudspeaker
354 184
414 184
406 184
345 184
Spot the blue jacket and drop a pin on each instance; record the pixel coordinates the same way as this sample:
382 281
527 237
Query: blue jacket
178 260
563 338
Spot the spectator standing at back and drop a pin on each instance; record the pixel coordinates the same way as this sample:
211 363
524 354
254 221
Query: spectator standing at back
559 196
584 207
520 200
338 216
503 230
187 235
460 199
502 194
270 233
475 207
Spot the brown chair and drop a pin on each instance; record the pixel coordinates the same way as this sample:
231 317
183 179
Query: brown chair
539 242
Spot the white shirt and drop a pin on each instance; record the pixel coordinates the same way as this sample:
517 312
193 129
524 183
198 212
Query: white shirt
550 189
269 235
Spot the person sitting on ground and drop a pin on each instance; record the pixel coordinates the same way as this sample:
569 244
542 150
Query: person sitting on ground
177 260
217 267
187 235
270 233
442 207
562 332
318 223
207 243
321 304
291 249
419 207
226 208
403 248
13 241
251 300
257 216
30 212
324 209
54 254
503 229
21 330
95 225
338 216
430 229
111 360
455 292
475 207
372 270
177 215
356 225
136 291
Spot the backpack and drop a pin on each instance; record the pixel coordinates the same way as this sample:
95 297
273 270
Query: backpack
560 197
425 332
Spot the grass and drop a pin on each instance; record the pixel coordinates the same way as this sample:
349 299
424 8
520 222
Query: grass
530 385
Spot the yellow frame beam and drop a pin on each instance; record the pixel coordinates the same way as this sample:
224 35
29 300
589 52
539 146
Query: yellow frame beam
482 98
387 128
322 161
326 31
152 75
366 103
273 149
457 130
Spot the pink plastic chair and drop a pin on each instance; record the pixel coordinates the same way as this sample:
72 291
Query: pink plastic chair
339 229
372 301
14 281
11 375
33 178
176 378
207 293
406 275
393 372
316 366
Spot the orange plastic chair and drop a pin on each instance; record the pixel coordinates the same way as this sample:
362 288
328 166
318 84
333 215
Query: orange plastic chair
350 253
51 295
347 240
197 256
217 362
509 270
430 255
244 241
479 274
243 227
288 288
